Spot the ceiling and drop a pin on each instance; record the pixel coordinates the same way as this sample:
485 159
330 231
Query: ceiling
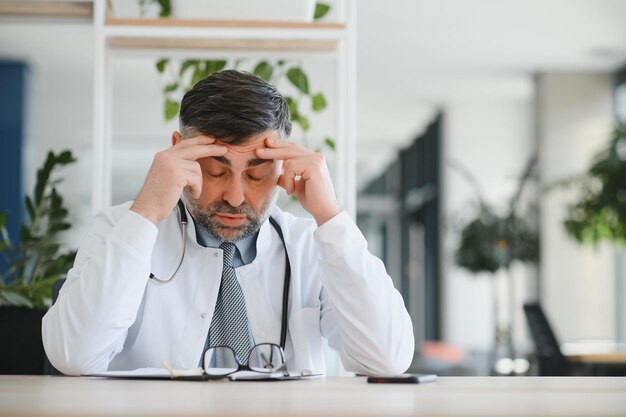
414 56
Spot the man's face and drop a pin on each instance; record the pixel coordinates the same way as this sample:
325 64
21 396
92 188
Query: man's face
238 190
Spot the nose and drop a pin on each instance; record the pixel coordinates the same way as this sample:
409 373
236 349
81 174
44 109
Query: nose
233 194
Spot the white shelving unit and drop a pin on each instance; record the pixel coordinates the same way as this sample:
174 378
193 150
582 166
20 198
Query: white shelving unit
200 38
47 8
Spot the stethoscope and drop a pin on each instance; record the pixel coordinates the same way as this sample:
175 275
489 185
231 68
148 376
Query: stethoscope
182 218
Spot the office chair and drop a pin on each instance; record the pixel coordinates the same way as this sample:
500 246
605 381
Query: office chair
550 359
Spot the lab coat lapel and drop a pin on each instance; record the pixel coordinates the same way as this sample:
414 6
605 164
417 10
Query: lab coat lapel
186 304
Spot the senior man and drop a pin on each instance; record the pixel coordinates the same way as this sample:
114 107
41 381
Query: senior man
203 258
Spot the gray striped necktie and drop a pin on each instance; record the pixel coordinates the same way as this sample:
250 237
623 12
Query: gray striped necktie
229 326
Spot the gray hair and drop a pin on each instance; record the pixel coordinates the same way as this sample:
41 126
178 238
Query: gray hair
233 105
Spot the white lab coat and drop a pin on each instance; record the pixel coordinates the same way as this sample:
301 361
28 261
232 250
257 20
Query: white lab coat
111 316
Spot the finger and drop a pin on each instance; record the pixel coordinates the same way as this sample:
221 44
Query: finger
194 182
281 149
281 153
192 167
304 167
286 179
196 140
289 180
281 182
196 152
299 186
272 142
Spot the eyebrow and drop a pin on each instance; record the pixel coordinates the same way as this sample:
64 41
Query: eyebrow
251 163
222 160
258 161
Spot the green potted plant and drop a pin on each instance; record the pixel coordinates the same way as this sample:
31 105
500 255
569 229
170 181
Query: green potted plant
492 241
600 211
33 266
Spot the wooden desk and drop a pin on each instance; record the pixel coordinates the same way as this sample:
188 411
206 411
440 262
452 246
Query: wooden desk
451 396
609 358
595 353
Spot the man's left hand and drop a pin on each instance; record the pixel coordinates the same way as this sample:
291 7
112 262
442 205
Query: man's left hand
305 175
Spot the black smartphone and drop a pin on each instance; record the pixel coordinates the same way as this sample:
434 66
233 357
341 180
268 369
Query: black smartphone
402 379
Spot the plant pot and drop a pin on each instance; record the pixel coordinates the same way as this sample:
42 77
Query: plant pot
273 10
21 349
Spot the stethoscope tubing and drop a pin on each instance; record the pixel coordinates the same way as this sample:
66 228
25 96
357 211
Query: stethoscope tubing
182 216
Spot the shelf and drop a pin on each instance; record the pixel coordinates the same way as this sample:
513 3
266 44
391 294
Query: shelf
239 24
253 32
225 44
81 9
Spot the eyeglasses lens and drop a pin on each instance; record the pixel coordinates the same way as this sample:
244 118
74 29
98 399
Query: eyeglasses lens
266 358
220 361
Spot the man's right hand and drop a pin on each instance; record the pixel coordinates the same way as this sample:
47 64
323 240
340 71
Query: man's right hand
172 170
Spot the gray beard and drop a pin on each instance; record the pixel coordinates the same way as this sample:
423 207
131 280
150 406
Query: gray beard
206 218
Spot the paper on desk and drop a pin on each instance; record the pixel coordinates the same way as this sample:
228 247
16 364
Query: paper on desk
161 373
149 373
258 376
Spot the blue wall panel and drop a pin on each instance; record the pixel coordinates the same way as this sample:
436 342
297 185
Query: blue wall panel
12 117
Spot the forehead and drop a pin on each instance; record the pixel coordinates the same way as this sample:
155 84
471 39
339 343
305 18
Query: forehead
244 152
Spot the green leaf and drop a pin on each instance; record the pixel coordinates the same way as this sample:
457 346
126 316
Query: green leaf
213 66
58 214
30 207
199 73
25 234
299 79
55 200
61 264
330 143
321 9
65 158
186 65
318 102
171 108
161 63
302 121
264 70
296 117
170 87
292 105
50 161
4 217
43 175
14 299
166 8
59 228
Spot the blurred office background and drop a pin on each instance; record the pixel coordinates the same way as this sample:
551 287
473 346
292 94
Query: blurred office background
454 98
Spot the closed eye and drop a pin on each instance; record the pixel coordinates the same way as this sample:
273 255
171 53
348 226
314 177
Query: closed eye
253 178
216 175
259 173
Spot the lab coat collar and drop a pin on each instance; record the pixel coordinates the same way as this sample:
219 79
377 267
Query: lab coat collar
263 239
246 252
